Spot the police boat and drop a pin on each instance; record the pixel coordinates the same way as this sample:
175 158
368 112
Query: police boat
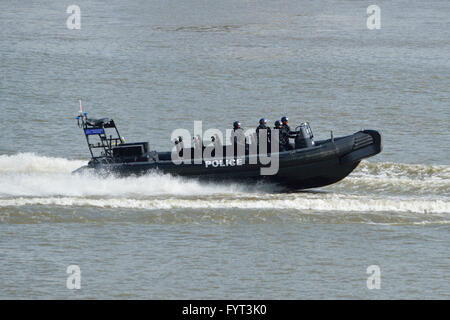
309 163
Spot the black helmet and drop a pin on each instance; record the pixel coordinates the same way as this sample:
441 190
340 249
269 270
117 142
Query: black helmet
277 123
236 124
262 121
284 119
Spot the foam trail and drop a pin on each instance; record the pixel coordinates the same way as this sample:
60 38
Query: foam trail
412 171
32 163
397 178
29 175
92 186
338 203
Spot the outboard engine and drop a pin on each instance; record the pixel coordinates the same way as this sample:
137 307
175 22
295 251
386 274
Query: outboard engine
304 137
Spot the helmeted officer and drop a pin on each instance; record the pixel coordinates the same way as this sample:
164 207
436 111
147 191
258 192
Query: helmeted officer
285 134
238 137
277 125
263 126
236 125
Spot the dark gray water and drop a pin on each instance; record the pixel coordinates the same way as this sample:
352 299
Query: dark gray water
155 66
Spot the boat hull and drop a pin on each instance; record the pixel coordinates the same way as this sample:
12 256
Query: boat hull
328 162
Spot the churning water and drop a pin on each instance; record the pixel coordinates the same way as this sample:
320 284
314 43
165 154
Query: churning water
156 66
411 193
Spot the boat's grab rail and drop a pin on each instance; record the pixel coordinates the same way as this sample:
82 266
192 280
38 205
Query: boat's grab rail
362 140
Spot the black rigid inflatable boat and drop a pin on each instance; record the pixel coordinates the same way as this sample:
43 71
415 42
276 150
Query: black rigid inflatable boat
310 164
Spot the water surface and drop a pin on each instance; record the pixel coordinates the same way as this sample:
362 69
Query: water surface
155 66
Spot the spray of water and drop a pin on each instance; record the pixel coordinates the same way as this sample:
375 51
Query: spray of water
29 179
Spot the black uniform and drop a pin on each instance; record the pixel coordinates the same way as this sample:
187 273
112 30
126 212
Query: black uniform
285 134
263 127
279 136
238 138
